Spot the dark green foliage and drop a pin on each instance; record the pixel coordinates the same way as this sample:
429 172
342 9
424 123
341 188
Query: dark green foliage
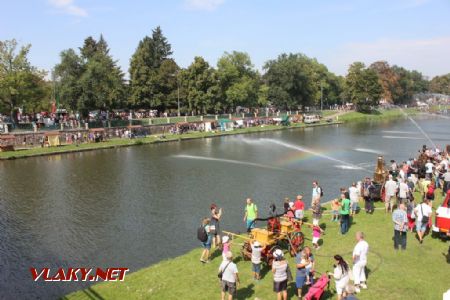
90 81
21 85
296 81
147 70
362 87
238 81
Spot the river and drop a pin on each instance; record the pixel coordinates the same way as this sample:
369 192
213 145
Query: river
132 207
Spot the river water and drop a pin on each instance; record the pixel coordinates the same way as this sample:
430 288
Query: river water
132 207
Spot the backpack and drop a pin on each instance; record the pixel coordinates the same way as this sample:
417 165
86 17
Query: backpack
430 191
366 192
321 191
202 235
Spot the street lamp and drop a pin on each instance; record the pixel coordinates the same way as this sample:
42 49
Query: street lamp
321 96
178 91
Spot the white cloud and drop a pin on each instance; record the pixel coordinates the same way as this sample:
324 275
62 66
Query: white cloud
69 7
429 56
208 5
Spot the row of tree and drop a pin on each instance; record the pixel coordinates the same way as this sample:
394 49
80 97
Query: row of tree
90 79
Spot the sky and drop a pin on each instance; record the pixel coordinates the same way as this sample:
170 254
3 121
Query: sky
414 34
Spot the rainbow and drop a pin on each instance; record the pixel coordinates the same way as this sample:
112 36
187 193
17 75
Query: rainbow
295 158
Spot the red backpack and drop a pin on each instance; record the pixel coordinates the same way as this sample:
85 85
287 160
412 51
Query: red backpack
430 191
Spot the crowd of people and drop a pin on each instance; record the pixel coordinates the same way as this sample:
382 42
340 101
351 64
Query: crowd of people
408 214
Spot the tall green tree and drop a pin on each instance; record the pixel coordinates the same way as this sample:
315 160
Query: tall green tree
144 71
238 80
362 87
67 76
290 82
21 84
200 87
102 81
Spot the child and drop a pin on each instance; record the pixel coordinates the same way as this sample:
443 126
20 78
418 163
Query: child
335 210
226 246
256 259
307 263
316 232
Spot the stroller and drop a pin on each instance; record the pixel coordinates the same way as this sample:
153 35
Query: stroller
317 289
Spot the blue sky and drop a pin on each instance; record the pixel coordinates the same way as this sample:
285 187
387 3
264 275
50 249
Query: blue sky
411 33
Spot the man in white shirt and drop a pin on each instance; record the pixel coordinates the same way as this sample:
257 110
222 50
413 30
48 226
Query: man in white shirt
429 168
390 188
403 190
316 192
354 197
422 210
230 278
446 178
360 261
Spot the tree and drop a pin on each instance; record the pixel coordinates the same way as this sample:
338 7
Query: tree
362 87
440 84
410 83
102 83
67 74
389 81
144 71
20 83
238 81
199 86
290 82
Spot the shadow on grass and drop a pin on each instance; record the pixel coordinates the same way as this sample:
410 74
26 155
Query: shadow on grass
264 270
246 292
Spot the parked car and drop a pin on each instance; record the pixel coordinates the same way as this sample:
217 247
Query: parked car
310 119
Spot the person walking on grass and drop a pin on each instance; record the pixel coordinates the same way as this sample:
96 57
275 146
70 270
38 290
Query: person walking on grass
390 188
316 192
251 213
345 214
400 219
367 192
299 207
360 261
280 270
403 191
316 209
354 198
204 258
340 275
304 270
216 214
423 213
256 259
230 278
335 210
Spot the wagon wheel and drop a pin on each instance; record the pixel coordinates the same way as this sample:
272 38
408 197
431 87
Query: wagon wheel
269 255
296 240
246 250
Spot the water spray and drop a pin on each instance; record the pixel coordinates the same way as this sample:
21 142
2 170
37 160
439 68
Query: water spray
418 127
304 149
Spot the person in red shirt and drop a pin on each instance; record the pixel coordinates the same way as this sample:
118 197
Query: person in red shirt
299 207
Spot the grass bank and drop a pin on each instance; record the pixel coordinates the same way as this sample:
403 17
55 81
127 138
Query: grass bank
378 115
117 142
420 272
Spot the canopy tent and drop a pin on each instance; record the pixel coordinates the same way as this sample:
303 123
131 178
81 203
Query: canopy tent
52 139
226 124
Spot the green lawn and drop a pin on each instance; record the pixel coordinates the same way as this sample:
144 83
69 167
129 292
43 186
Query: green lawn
420 272
379 115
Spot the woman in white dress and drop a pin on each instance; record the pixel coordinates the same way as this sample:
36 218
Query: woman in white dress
340 274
